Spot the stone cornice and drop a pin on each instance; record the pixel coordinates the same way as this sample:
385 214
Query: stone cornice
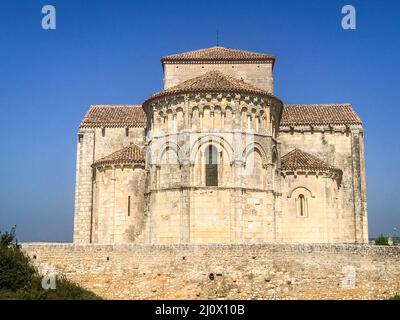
320 128
243 61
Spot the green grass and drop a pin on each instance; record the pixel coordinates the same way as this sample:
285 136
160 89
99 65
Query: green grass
19 280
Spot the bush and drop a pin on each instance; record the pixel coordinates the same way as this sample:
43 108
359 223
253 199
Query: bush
15 270
20 280
382 241
65 290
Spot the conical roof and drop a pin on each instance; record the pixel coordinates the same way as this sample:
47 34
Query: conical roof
300 160
212 81
129 155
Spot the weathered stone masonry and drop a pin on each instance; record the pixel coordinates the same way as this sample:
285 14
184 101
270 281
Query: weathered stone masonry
211 189
258 271
279 173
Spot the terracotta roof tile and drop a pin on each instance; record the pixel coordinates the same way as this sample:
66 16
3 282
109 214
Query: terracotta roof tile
318 114
217 54
114 116
129 155
300 160
212 81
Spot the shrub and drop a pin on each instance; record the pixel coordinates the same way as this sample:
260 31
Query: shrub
382 241
20 280
15 270
65 290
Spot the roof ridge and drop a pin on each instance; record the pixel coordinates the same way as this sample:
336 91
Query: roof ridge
318 104
218 53
115 105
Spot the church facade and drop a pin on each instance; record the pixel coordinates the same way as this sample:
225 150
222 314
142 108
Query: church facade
215 157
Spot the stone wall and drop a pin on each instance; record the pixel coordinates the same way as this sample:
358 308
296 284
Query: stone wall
257 74
342 147
259 271
118 204
182 206
94 144
322 219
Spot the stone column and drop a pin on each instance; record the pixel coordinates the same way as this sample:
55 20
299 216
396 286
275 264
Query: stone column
187 114
185 212
238 168
202 169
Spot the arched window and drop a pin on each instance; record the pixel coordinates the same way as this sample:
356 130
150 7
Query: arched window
274 166
211 156
302 206
274 156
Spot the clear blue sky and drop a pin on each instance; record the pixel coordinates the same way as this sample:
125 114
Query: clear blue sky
107 52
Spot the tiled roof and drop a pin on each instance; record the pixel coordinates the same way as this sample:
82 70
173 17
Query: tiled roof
114 116
300 160
212 81
129 155
217 54
318 114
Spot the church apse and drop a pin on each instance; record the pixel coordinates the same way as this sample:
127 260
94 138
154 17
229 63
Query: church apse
222 160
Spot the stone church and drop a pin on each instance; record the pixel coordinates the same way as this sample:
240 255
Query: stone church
215 157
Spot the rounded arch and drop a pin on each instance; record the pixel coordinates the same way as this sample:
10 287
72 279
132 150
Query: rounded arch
300 190
254 146
228 117
195 118
302 205
217 114
179 119
254 171
206 118
167 146
217 108
222 144
274 155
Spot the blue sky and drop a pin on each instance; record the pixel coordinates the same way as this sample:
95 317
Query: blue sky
107 52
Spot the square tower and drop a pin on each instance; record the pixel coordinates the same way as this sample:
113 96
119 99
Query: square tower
251 67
